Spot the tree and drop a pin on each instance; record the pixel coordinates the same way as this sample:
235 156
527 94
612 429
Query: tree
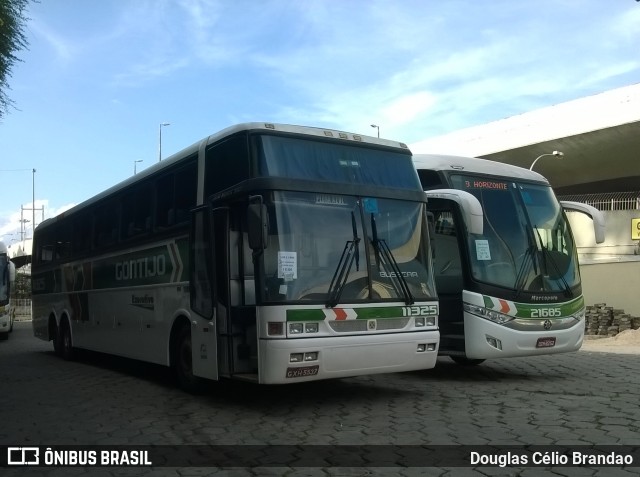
12 39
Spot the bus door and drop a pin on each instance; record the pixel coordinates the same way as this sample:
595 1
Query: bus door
235 296
202 281
448 272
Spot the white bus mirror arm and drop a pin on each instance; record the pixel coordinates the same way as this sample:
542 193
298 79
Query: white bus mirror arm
469 205
599 226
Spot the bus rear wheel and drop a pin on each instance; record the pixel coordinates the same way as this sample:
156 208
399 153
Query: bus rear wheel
182 362
54 332
66 344
464 361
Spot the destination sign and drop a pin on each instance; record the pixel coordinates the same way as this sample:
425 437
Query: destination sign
485 184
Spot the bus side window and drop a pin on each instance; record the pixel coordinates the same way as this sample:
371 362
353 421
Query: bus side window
106 225
201 284
176 196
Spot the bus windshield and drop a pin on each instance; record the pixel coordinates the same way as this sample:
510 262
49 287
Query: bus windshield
339 248
526 244
318 160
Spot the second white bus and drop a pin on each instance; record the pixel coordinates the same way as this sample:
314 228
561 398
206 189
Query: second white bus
509 286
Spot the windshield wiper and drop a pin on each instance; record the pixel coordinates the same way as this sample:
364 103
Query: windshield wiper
350 253
547 255
521 277
527 261
382 251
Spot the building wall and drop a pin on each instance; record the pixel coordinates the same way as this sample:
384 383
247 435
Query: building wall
615 283
618 244
610 271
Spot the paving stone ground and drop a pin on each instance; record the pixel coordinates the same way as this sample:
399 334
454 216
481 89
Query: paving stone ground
583 398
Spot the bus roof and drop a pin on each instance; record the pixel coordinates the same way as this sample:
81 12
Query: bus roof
251 126
474 165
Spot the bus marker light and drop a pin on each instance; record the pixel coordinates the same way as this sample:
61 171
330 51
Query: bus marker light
311 327
431 346
275 328
296 357
422 347
420 321
431 321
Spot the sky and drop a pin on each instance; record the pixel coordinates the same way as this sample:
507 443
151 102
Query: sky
99 77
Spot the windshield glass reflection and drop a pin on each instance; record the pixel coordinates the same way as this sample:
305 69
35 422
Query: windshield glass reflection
526 243
322 248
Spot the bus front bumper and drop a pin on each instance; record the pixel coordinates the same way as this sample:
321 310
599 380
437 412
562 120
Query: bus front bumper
485 339
292 360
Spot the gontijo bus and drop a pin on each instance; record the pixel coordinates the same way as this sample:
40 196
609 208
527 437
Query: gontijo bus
265 252
7 278
511 287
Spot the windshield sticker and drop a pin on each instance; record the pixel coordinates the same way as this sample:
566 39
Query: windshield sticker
288 266
482 250
370 206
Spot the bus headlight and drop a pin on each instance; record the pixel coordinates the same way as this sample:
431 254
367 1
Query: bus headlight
421 321
311 327
487 314
580 315
299 328
296 328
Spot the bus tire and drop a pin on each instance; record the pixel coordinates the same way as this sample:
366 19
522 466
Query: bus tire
464 361
66 343
182 362
54 334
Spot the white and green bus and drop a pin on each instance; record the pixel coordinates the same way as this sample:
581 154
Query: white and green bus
7 280
510 285
265 252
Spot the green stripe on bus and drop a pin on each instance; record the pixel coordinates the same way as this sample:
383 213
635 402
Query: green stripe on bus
305 315
524 310
367 313
378 312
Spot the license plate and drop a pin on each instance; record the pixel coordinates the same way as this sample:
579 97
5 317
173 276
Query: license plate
303 371
549 342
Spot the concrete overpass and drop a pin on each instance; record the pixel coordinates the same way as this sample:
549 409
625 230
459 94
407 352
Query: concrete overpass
599 136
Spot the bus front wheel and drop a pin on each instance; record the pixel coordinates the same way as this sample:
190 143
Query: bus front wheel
183 362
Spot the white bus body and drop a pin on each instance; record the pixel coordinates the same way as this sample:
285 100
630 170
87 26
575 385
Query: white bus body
266 252
7 280
510 287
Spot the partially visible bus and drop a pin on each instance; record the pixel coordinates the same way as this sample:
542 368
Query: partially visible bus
509 286
265 252
7 279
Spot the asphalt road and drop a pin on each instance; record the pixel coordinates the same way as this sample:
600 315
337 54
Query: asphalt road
578 399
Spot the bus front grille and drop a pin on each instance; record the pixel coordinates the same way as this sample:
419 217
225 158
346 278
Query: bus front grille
350 326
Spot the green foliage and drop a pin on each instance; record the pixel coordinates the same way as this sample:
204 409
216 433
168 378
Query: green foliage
12 40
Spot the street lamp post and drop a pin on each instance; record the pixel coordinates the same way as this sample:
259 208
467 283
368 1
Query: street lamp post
33 203
160 140
558 154
377 127
135 163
